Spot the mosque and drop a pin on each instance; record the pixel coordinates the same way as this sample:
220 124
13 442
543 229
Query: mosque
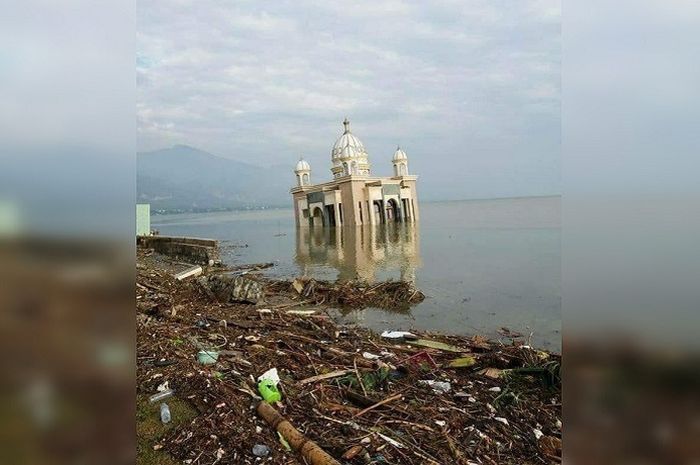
354 196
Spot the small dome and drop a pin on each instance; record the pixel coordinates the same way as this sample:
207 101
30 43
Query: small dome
399 155
348 145
302 165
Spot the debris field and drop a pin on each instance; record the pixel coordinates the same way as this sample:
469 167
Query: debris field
358 397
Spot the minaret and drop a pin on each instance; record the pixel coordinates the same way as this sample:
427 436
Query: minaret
400 161
303 172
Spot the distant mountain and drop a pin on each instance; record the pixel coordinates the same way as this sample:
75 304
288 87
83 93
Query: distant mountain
184 178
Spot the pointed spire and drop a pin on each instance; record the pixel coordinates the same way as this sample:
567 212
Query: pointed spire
346 123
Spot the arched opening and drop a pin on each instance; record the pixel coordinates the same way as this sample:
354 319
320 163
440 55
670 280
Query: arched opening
317 218
354 167
404 170
305 179
392 211
378 217
345 169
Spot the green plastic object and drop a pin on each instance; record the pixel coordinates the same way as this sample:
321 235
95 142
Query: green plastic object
268 391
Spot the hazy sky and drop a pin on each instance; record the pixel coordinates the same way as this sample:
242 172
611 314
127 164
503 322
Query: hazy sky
470 89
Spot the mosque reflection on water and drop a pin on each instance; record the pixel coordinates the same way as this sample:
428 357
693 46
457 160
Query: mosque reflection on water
368 253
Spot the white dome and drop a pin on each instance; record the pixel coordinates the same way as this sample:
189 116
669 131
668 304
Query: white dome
399 155
348 146
302 165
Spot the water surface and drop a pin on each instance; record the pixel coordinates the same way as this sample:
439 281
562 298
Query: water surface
483 264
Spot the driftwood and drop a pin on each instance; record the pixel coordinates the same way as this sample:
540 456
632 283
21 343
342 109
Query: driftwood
333 374
307 448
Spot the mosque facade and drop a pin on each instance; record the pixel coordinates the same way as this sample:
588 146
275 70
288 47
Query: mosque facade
354 196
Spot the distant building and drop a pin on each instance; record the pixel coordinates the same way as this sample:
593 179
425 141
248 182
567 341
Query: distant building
143 219
354 196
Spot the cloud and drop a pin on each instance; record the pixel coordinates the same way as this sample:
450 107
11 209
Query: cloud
453 81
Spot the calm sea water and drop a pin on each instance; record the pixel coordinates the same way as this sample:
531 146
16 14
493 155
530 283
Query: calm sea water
483 264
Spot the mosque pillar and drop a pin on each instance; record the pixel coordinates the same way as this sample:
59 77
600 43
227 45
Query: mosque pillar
336 209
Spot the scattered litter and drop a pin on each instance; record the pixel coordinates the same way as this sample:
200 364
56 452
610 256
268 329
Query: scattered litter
330 374
399 335
440 387
207 357
300 312
538 433
333 374
353 452
193 271
298 285
354 293
264 310
393 442
436 345
160 396
462 362
495 389
502 420
261 450
420 361
284 442
267 386
270 374
165 413
493 373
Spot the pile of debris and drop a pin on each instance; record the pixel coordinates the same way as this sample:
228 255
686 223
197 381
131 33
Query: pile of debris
356 396
391 295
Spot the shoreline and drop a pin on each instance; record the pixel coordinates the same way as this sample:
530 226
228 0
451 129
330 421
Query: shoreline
452 399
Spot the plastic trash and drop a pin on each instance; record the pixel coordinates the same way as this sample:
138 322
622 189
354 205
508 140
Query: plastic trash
161 395
267 386
398 335
440 387
261 450
165 413
268 390
207 357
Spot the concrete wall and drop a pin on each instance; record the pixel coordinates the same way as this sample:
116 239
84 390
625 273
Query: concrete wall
188 249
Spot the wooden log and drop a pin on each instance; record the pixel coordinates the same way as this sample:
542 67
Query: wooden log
308 449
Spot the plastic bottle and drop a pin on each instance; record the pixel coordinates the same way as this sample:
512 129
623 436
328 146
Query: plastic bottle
164 413
161 395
